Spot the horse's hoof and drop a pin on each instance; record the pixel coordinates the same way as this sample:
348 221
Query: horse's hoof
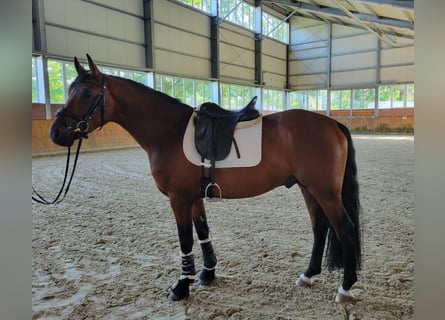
180 290
345 297
303 281
206 277
174 297
203 283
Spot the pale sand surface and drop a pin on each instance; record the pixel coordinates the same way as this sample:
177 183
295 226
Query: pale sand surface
110 250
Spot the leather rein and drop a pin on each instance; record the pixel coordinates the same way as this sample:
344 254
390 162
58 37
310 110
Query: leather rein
80 132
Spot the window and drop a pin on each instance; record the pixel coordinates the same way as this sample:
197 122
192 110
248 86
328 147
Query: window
364 99
178 89
203 5
341 100
314 100
61 74
238 12
56 83
34 81
275 28
396 96
385 97
203 92
298 100
70 75
273 100
165 84
234 96
322 100
345 100
137 76
410 95
189 91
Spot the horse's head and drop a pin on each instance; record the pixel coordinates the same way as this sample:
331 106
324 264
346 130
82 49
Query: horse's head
84 109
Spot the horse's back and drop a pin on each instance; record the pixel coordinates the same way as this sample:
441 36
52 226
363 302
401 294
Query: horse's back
302 119
302 128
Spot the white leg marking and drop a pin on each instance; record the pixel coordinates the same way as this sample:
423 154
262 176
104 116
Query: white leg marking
304 281
344 296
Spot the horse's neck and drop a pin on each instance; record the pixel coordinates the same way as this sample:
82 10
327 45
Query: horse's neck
153 121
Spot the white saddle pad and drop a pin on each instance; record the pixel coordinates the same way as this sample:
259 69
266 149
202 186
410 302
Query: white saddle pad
247 136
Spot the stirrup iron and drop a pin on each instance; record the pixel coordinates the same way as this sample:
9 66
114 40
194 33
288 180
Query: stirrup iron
211 184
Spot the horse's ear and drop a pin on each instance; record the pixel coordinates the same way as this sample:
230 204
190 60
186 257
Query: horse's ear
93 68
78 66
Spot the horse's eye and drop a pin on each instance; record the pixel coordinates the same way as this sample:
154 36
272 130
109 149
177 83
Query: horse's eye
87 94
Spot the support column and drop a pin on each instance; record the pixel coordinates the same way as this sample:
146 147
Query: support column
258 66
39 45
258 43
148 33
214 47
379 52
38 26
328 75
287 66
46 88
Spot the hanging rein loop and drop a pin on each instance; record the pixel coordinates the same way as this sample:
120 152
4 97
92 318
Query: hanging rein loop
40 199
79 131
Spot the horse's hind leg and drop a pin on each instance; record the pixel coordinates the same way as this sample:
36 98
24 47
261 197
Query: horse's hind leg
320 225
342 250
207 275
329 219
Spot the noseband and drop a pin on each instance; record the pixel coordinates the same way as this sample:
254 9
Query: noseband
79 130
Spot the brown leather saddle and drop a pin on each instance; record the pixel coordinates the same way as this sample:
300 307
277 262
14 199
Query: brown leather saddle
215 126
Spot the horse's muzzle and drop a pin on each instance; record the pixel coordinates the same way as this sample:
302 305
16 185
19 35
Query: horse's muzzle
61 135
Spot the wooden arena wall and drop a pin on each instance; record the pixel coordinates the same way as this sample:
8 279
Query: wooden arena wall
113 136
386 120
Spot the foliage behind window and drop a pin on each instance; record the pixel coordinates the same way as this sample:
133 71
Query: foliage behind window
189 91
273 100
238 12
275 28
234 96
203 5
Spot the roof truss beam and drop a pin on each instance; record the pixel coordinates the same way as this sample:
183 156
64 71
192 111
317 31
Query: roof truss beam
365 17
401 4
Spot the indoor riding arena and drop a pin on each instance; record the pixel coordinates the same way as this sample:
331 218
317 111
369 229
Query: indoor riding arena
108 238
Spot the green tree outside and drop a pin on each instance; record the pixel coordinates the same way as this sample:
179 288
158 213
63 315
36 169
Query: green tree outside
56 87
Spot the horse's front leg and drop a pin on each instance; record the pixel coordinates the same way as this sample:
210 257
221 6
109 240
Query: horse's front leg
183 214
207 275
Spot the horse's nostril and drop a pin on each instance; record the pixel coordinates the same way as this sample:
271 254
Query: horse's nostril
60 135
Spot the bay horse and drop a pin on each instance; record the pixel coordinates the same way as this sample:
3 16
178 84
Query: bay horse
298 147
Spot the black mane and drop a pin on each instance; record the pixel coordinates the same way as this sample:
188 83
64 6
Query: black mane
86 76
153 91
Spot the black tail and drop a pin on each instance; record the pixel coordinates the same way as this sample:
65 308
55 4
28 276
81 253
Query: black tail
351 204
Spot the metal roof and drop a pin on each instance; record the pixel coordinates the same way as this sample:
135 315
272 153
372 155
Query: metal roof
386 19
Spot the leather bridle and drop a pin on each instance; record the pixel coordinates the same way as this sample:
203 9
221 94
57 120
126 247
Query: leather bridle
79 131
